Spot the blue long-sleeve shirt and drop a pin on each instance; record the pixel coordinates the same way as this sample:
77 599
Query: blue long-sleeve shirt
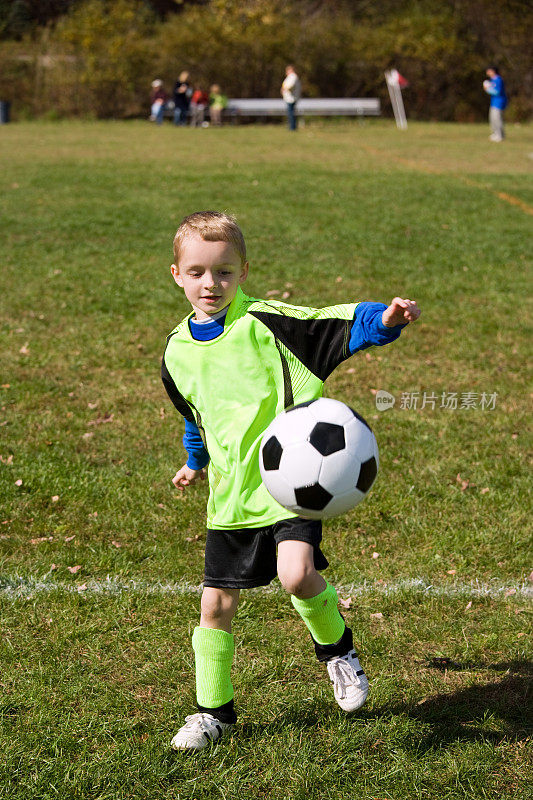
496 90
367 330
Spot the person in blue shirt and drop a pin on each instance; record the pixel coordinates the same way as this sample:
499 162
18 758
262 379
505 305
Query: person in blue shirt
495 87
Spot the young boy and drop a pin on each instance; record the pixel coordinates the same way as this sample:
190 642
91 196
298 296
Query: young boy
229 368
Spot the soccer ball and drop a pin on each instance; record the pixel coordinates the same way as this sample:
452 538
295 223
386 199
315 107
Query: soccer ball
319 459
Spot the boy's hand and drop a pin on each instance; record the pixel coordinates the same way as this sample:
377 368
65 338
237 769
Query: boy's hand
187 477
399 312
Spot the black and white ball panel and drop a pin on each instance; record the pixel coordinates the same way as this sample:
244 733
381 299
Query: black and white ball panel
319 458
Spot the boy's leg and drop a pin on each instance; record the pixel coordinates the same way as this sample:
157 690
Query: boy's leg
213 647
313 598
316 602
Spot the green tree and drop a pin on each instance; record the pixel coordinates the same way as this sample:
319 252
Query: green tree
104 47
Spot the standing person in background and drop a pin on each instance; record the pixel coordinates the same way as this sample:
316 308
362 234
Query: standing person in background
199 102
495 87
158 100
217 103
182 99
291 90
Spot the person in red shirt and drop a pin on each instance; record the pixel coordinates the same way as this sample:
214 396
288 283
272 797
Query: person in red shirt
199 102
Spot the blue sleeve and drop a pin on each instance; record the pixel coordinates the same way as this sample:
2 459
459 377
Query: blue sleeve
368 329
198 457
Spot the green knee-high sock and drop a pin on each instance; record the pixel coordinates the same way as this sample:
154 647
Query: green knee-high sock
213 650
321 615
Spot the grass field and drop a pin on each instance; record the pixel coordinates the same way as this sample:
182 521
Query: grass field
101 560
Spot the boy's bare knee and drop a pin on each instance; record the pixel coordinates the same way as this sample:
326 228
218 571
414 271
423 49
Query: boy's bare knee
218 605
297 578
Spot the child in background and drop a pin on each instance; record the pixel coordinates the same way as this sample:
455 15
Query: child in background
229 368
199 102
158 100
217 103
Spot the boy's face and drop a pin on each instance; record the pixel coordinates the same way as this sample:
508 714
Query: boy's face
209 273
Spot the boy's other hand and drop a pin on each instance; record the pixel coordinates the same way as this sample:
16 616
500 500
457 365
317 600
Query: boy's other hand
400 312
187 477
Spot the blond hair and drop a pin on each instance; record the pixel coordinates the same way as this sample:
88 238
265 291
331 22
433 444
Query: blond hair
211 226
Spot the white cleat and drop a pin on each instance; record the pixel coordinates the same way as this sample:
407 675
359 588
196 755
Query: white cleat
199 730
350 684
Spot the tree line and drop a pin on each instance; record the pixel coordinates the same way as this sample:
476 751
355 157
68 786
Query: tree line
98 58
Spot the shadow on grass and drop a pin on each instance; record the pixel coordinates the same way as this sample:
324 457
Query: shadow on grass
444 664
496 711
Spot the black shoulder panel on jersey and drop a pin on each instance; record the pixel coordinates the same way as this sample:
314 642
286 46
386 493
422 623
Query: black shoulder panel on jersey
177 399
320 344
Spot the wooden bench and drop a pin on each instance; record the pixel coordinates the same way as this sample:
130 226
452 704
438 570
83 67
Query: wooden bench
308 106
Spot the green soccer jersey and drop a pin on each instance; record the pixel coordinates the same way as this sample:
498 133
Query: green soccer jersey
270 356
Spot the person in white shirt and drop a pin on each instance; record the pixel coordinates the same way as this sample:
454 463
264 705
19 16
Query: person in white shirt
291 90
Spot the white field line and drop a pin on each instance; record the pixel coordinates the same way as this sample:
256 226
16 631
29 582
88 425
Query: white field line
18 587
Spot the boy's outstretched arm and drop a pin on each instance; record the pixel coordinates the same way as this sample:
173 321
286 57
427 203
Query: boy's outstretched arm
187 477
400 312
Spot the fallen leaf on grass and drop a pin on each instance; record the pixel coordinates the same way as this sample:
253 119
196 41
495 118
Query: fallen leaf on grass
510 592
82 588
8 460
102 420
468 605
346 603
42 539
87 435
485 490
272 292
69 538
74 570
376 615
24 351
116 544
92 406
464 484
375 555
452 571
18 483
55 498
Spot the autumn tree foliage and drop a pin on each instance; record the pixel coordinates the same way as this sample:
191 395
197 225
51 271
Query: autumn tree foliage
97 57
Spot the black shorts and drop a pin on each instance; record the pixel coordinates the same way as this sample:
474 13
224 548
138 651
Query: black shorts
246 557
